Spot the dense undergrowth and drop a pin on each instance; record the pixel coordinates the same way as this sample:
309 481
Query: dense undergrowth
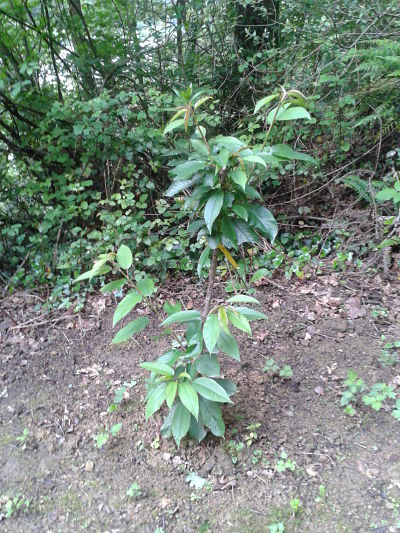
85 95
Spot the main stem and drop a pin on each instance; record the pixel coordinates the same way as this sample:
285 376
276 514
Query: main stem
211 279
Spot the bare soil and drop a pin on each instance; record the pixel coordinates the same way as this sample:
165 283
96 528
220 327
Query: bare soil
58 376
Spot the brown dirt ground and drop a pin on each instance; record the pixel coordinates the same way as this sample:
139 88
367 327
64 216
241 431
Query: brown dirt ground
58 378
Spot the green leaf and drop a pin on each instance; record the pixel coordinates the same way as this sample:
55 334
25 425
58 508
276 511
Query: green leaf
158 368
255 159
209 389
213 208
228 385
239 321
211 331
228 344
208 365
228 232
170 393
232 144
136 326
288 113
124 257
240 211
187 169
173 125
101 439
264 101
113 285
145 286
211 415
243 298
178 186
222 158
251 314
384 195
259 274
196 430
263 219
126 305
244 233
205 254
116 428
286 152
180 423
182 317
200 146
155 400
189 398
170 308
239 177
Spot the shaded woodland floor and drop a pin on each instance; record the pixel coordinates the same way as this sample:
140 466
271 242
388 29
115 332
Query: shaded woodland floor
58 376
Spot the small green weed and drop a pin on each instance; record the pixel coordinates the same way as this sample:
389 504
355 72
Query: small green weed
234 449
134 491
321 494
102 438
272 367
12 505
277 527
295 504
283 463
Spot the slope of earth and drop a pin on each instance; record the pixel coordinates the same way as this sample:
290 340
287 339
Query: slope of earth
287 437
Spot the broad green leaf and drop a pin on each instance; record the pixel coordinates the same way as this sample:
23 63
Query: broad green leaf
239 321
261 273
222 158
170 393
223 319
208 365
251 314
101 439
173 125
384 195
180 423
263 219
200 146
228 344
170 308
240 211
178 186
126 305
182 317
189 398
213 208
155 400
286 152
136 326
228 385
145 286
116 428
288 113
187 169
169 358
196 429
255 159
201 101
158 368
211 331
232 144
209 389
239 177
264 101
251 192
243 298
113 285
244 233
211 415
124 257
97 270
205 254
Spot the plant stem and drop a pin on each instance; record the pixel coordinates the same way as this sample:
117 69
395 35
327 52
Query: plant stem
211 279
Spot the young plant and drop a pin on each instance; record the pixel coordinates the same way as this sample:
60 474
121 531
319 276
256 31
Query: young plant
377 396
217 178
283 463
134 491
355 385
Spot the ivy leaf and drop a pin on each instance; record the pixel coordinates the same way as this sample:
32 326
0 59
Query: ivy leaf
228 344
211 331
210 390
180 423
213 208
124 257
136 326
189 398
155 400
126 305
